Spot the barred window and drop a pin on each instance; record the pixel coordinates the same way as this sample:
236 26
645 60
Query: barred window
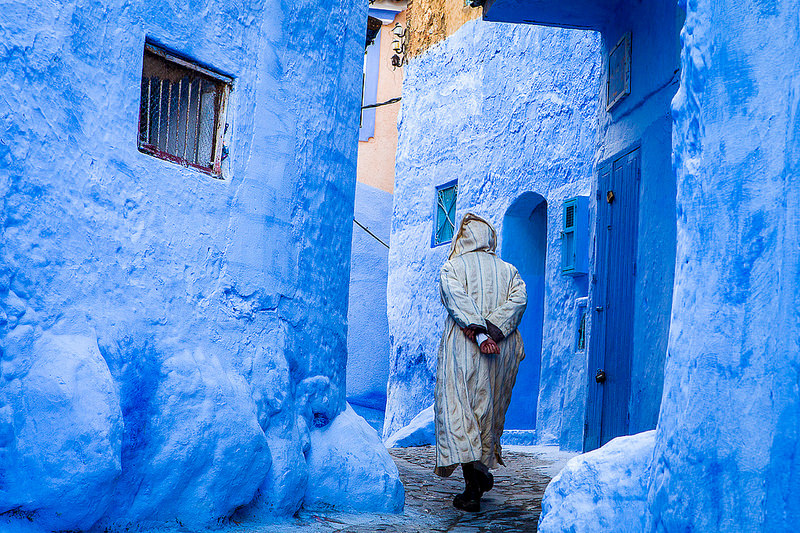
182 111
580 341
444 222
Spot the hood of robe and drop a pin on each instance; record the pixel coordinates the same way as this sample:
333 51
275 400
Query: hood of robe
474 234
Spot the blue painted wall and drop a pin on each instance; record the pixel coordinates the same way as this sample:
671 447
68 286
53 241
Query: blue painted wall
726 447
500 108
641 119
169 340
644 117
727 444
368 326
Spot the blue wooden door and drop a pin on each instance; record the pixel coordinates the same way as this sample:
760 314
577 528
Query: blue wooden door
613 286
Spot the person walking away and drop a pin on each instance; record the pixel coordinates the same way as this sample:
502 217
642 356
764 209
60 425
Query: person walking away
478 357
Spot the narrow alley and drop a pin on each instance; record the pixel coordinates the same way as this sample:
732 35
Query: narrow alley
257 258
512 506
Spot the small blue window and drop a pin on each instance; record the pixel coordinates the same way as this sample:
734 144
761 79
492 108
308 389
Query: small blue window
574 249
445 213
581 319
580 341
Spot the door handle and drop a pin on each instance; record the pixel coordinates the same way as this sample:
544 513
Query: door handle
598 309
600 377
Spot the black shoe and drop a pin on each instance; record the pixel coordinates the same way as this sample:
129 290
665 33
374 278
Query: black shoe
470 499
467 502
484 478
477 474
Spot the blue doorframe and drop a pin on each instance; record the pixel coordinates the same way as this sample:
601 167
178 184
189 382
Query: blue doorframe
524 245
611 347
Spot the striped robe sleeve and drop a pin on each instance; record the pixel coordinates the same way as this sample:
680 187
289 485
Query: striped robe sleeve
508 314
458 303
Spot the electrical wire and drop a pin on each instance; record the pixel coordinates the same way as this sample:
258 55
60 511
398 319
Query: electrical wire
368 231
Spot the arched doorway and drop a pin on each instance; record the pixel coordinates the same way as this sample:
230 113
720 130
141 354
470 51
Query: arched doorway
524 245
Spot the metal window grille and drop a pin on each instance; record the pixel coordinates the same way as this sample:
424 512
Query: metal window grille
445 214
182 111
570 216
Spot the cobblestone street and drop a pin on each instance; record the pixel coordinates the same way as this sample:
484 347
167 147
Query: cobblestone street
512 506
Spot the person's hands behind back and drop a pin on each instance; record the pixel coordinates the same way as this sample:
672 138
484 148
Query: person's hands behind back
469 332
490 347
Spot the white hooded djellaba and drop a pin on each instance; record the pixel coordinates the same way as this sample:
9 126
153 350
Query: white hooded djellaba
473 390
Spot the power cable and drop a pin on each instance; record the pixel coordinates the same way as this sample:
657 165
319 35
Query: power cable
368 231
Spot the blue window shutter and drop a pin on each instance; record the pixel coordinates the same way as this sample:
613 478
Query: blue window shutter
568 236
574 236
444 220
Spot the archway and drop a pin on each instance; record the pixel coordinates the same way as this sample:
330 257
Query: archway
524 245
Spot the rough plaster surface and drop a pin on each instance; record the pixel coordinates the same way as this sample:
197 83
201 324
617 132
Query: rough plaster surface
602 490
727 454
507 110
421 431
190 329
67 450
348 478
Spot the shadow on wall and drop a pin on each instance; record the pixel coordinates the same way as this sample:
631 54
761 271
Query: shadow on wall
368 326
524 245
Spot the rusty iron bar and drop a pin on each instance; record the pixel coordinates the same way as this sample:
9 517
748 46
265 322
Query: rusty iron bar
158 125
186 130
197 122
169 114
149 109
